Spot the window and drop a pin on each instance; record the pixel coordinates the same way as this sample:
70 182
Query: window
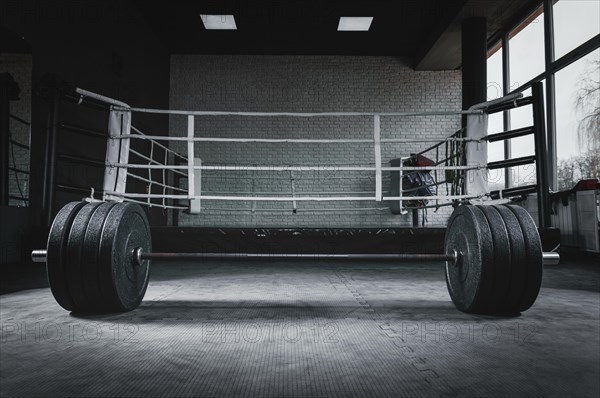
527 49
574 125
496 152
522 146
575 22
578 120
494 74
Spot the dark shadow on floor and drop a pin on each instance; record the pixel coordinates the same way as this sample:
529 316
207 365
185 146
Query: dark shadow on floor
174 311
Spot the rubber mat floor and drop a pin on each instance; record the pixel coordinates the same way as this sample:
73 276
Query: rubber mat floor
297 329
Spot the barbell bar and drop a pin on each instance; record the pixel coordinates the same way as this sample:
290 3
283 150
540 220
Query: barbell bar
549 258
98 257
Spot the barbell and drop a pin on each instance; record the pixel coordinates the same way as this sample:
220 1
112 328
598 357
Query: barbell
98 257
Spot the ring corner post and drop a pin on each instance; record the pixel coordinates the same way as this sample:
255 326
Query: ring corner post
190 158
117 153
377 145
196 203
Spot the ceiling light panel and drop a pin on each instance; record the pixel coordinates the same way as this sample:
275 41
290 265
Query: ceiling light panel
354 24
218 22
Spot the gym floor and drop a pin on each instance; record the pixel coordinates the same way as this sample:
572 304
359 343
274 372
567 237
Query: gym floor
304 329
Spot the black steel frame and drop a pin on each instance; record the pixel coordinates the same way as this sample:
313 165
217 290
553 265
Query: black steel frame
4 141
538 129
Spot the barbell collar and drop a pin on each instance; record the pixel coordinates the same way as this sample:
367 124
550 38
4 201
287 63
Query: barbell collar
39 256
550 258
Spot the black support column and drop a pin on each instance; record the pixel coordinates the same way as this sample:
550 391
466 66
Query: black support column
550 92
43 148
474 65
541 154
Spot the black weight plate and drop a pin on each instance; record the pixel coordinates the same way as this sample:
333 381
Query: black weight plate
96 302
56 261
501 258
535 264
470 281
124 281
75 265
518 259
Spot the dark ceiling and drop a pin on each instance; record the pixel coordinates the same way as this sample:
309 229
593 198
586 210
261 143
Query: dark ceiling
426 31
299 26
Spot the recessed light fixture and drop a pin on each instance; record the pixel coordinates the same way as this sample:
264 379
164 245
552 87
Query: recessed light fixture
218 22
356 24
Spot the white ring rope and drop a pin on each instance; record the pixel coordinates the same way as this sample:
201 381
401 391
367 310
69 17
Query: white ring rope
260 193
292 198
211 192
295 140
297 177
290 210
137 177
295 168
140 155
293 114
160 166
143 136
126 199
377 148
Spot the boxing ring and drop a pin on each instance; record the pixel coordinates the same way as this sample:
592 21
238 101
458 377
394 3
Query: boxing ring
459 162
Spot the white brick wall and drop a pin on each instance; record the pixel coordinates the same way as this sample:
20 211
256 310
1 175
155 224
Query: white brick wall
305 84
19 66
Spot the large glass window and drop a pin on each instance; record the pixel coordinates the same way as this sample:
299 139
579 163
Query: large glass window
575 21
578 120
577 91
526 46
